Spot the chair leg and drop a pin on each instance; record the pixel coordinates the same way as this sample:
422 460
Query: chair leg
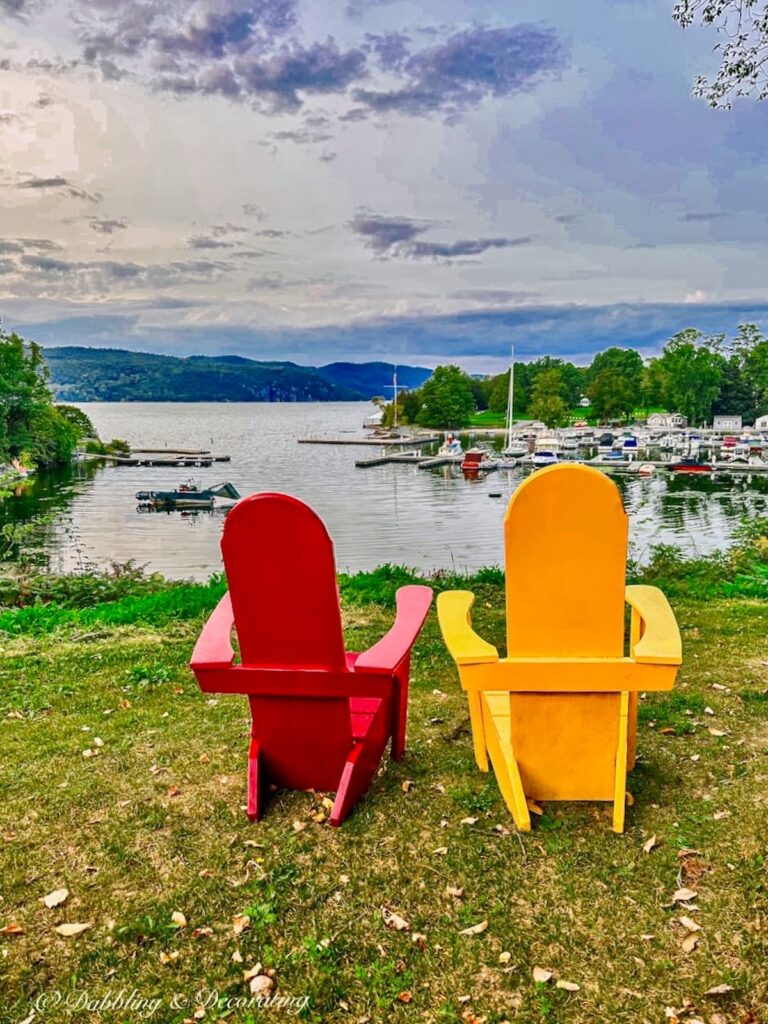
478 730
400 708
620 782
355 779
506 771
256 783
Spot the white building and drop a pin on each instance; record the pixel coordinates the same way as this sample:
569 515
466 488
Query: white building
761 423
726 423
665 420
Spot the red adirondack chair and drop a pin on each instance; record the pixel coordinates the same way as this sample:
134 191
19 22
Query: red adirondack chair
321 716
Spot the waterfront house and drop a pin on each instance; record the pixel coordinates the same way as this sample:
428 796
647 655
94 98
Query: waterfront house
666 420
726 423
761 423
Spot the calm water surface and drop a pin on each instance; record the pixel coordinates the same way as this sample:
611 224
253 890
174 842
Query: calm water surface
394 513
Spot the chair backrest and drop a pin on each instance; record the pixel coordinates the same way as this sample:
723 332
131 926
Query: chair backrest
565 538
281 573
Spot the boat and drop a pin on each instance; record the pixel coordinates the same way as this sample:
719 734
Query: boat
689 464
188 496
476 459
543 457
605 442
450 446
511 451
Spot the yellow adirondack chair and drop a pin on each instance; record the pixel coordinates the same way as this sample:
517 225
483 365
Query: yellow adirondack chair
558 715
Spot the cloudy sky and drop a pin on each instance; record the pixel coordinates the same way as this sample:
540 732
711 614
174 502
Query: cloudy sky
402 179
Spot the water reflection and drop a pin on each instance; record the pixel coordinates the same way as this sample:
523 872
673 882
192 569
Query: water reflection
395 513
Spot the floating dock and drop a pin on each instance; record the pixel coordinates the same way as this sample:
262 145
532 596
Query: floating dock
380 442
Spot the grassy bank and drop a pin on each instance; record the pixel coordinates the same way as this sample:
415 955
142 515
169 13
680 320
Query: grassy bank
150 823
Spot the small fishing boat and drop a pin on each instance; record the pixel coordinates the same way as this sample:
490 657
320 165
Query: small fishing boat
689 464
450 446
188 496
476 459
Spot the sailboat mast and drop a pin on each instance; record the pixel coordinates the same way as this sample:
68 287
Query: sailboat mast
511 398
394 395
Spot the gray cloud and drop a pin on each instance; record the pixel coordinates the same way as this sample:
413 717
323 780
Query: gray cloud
391 49
60 185
208 242
399 236
7 266
219 230
700 217
469 66
107 225
253 210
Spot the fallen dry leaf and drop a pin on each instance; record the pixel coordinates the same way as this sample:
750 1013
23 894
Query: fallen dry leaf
406 786
668 730
469 821
689 943
404 997
168 958
240 923
719 815
475 929
394 921
719 990
204 759
252 972
505 957
55 898
567 986
419 939
441 851
689 924
649 845
69 931
237 957
534 808
173 791
541 976
452 890
683 895
202 933
178 919
12 929
299 826
717 732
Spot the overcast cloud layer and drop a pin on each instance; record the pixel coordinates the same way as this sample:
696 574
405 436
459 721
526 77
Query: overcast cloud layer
415 180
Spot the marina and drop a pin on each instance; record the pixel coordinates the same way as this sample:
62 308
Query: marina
431 516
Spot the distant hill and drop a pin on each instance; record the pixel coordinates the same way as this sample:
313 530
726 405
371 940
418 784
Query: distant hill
82 374
371 379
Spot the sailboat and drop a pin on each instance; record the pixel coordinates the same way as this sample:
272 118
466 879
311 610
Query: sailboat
511 452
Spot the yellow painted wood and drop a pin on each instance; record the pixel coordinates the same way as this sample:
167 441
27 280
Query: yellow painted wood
454 610
558 716
620 789
500 747
659 637
565 539
561 675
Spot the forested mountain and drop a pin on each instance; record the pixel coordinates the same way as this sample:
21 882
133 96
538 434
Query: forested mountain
372 379
81 374
113 375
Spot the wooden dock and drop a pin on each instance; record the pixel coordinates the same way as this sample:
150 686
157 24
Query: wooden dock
185 461
371 442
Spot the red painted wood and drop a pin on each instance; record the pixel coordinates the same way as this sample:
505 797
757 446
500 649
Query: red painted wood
321 717
412 608
214 646
282 579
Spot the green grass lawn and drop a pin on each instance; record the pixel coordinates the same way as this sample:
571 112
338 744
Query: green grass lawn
152 824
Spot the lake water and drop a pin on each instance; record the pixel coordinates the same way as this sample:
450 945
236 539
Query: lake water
395 513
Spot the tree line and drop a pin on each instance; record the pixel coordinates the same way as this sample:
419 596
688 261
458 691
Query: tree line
697 375
33 429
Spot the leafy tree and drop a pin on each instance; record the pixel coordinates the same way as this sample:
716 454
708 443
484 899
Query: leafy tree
625 361
78 419
693 369
446 399
736 395
499 398
611 394
547 397
750 349
480 392
743 50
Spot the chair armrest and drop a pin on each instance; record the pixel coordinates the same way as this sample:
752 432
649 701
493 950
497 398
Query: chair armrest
412 607
214 645
655 633
463 643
